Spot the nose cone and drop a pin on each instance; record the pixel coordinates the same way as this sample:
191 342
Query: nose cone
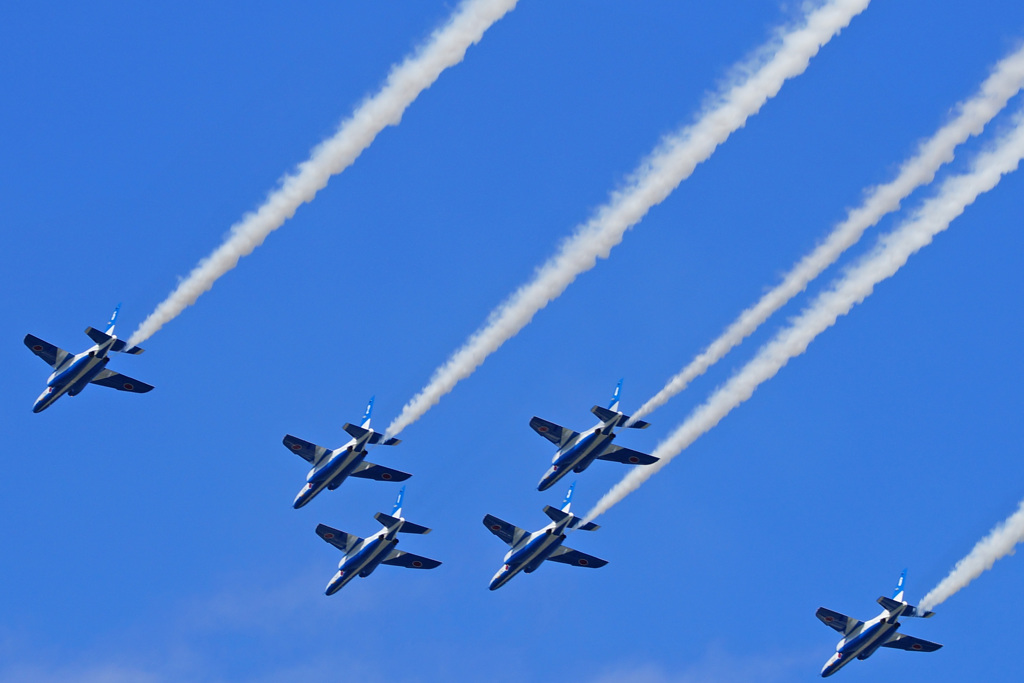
832 665
305 495
549 478
44 401
337 581
500 578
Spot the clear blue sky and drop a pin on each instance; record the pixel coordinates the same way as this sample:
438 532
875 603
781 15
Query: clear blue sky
151 538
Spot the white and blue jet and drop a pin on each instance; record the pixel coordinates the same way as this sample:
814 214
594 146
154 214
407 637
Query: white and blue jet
527 551
862 638
577 451
363 555
72 373
330 467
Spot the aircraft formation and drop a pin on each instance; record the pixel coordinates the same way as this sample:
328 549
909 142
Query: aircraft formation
576 451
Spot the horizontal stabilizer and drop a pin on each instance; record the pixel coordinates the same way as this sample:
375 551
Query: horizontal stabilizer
339 539
891 605
400 558
901 641
115 380
53 355
118 345
576 558
556 434
627 456
509 533
406 527
837 621
604 414
557 516
309 452
368 470
358 433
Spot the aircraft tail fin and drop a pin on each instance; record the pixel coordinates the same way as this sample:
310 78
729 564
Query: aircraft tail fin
365 424
113 319
406 527
897 601
620 419
614 404
374 438
557 515
119 345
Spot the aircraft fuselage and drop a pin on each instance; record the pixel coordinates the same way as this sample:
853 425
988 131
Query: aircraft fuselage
73 375
577 455
862 643
332 473
528 555
364 559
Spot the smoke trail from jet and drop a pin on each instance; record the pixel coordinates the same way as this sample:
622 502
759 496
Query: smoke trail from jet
786 56
999 543
446 47
889 255
1005 81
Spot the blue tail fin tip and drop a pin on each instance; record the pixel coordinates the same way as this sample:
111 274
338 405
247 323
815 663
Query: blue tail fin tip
899 584
113 319
369 412
568 497
615 396
398 503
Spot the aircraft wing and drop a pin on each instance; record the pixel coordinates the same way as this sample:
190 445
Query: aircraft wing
837 621
627 456
399 558
556 434
115 380
309 452
339 539
509 533
368 470
905 642
53 355
576 558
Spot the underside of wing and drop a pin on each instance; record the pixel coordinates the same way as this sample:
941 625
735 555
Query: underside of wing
627 456
399 558
905 642
837 621
502 529
339 539
368 470
556 434
53 355
115 380
576 558
309 452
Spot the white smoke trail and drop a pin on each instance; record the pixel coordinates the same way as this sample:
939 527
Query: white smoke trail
1006 80
999 543
672 162
446 47
888 256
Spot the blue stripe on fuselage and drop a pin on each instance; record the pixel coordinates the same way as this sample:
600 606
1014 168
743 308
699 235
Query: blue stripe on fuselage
337 468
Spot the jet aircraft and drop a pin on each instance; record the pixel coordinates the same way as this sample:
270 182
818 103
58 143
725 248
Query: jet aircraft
363 555
861 639
72 373
528 551
330 468
577 451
